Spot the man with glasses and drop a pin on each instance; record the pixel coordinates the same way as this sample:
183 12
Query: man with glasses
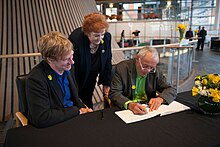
139 80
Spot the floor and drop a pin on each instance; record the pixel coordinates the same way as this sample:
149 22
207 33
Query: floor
208 62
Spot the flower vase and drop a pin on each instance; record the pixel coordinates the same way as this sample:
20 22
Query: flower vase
181 34
207 106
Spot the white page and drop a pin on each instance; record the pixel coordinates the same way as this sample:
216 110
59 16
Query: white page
129 117
173 108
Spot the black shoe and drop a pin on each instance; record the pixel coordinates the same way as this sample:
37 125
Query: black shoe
197 49
201 49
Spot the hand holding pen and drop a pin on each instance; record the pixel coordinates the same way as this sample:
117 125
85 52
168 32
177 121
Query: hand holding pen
85 109
137 108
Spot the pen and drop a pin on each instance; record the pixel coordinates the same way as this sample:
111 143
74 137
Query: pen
85 106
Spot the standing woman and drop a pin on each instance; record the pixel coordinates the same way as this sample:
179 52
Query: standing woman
92 56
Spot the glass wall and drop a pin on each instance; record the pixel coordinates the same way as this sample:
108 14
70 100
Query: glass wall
198 12
203 14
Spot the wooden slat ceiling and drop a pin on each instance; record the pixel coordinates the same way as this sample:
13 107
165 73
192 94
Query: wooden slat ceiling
22 23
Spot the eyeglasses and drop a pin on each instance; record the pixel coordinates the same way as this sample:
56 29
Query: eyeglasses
147 67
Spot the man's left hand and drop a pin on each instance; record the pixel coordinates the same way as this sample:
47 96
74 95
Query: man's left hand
155 103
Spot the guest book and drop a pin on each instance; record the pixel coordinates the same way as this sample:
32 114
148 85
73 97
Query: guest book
129 117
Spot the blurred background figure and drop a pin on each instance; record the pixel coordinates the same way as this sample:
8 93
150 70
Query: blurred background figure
189 34
202 34
199 39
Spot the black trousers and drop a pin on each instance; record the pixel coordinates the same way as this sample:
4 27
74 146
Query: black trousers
199 43
202 43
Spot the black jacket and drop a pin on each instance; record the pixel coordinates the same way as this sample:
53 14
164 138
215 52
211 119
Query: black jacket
44 97
82 58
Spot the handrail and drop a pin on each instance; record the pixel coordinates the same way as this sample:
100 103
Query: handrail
140 47
114 50
20 55
155 46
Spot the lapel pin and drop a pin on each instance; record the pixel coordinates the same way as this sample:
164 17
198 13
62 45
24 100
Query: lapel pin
49 77
133 87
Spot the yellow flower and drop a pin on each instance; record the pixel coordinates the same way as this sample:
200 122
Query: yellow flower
196 31
195 91
197 78
215 99
133 87
211 76
216 80
215 93
204 81
181 27
49 77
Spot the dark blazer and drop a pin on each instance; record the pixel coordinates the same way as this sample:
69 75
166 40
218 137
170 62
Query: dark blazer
189 34
82 58
203 34
44 97
125 77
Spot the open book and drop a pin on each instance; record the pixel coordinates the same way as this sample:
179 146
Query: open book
129 117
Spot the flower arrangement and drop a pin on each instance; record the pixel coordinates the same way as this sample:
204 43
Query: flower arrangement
196 31
207 85
181 28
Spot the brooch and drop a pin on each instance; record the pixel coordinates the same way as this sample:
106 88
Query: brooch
133 87
102 41
49 77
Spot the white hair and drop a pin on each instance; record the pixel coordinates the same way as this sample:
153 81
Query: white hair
150 50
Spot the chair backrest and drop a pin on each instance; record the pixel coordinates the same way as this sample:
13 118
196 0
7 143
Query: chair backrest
21 83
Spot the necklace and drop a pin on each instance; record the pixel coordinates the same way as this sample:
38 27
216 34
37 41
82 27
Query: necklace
93 48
